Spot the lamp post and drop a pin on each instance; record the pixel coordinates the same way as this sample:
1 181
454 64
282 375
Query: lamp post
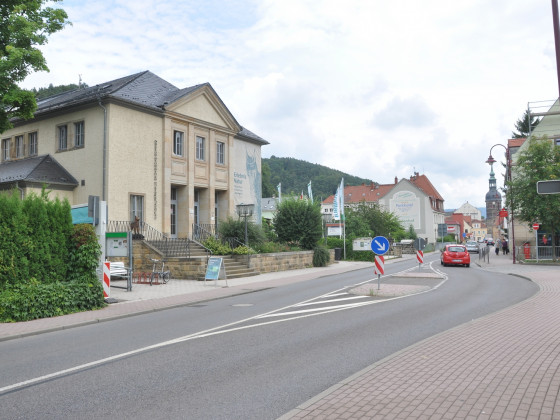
491 161
245 210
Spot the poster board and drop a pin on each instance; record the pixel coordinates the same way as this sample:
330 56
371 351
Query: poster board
215 270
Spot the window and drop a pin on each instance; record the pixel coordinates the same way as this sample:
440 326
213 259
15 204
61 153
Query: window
220 152
62 137
20 149
178 137
199 148
79 134
136 207
6 149
557 142
32 138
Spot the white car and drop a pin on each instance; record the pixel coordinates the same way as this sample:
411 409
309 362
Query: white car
472 247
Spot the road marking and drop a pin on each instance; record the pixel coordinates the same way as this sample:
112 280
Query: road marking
223 329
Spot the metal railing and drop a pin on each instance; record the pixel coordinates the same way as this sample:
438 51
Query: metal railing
537 253
168 247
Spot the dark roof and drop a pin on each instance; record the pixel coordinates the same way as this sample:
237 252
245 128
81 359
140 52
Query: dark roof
143 89
38 169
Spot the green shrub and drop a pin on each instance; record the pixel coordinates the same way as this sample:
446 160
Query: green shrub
84 254
24 302
216 246
243 250
232 228
321 256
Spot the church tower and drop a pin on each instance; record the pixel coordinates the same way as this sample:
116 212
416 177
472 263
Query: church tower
493 200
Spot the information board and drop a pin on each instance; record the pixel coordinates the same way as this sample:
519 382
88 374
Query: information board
215 269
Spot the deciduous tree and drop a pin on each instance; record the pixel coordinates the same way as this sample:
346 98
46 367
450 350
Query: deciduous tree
24 25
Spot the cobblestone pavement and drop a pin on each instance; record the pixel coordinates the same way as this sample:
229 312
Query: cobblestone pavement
502 366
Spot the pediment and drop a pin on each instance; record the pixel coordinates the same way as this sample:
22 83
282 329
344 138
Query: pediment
204 105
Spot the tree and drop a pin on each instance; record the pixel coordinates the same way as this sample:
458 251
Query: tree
539 162
24 25
522 126
369 219
299 222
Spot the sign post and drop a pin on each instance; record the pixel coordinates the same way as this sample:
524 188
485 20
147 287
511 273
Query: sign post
380 246
419 245
536 228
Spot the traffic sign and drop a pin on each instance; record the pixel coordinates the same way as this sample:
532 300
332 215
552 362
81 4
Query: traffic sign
536 226
420 256
380 245
419 244
548 187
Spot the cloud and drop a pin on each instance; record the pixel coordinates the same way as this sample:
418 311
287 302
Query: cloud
376 89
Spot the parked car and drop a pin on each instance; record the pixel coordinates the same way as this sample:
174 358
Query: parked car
455 255
489 241
472 246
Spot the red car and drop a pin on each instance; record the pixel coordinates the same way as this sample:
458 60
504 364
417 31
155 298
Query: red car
455 255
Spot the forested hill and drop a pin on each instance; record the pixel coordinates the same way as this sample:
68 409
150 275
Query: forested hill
295 174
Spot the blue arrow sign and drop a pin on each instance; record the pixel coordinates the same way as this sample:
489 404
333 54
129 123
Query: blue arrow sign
380 245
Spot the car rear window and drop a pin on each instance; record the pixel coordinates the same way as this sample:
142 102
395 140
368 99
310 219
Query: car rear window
456 249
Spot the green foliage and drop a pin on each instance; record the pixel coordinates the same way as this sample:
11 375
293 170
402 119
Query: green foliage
411 234
232 228
370 220
243 250
299 222
24 302
55 90
539 162
216 246
295 174
84 253
522 126
321 256
24 25
274 247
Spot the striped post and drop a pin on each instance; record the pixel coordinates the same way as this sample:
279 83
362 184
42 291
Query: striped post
420 257
106 279
379 265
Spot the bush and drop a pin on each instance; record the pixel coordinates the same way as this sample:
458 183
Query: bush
24 302
216 246
83 258
243 250
321 256
232 228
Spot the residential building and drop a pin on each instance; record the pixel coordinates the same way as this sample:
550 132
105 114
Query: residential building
173 157
469 210
415 201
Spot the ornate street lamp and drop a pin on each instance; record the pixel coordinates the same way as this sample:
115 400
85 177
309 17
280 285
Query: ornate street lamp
491 161
245 210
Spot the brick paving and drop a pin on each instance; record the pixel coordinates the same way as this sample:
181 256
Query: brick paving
502 366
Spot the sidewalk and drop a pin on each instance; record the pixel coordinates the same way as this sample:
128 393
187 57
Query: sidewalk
502 366
145 298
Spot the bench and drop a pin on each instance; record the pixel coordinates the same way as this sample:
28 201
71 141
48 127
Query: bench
119 270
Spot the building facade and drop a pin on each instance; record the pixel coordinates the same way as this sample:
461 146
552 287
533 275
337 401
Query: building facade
415 201
174 158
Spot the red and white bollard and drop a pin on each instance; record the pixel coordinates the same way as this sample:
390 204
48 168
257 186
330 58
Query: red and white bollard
379 268
106 279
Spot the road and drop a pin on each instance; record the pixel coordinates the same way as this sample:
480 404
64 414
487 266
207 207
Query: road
254 356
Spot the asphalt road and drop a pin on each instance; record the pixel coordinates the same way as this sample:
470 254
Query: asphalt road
254 356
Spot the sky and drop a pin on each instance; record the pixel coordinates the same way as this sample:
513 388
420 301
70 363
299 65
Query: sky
373 88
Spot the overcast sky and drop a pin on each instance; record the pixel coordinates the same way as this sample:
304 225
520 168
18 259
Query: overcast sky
373 88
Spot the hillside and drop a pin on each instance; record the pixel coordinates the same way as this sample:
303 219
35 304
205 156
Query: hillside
295 174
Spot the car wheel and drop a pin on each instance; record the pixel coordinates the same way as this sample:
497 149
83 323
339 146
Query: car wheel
467 265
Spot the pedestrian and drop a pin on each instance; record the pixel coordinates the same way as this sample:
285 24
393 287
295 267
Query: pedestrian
497 247
504 246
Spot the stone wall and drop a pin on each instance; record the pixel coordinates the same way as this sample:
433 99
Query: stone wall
195 268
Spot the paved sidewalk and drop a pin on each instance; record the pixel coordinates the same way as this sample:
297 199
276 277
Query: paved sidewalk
503 366
145 298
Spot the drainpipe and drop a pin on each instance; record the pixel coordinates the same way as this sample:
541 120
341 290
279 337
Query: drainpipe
104 148
21 192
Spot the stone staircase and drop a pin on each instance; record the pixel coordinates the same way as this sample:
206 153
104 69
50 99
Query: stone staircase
236 267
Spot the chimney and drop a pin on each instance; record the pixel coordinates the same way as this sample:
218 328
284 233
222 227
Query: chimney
396 180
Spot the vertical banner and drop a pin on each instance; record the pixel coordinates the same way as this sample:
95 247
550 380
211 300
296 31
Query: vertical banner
106 279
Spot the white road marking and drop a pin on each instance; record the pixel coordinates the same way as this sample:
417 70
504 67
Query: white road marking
218 330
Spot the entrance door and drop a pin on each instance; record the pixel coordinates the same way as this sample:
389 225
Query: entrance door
173 212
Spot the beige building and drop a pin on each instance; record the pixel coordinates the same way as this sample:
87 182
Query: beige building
174 157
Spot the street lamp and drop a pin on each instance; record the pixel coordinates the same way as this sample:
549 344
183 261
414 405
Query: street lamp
491 161
245 210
